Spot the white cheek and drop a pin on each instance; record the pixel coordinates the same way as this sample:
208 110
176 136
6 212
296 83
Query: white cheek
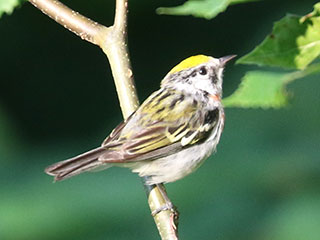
204 85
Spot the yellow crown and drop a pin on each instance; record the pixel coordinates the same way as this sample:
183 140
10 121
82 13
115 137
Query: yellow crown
190 62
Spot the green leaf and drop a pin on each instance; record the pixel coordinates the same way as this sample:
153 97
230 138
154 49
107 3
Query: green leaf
7 6
294 43
200 8
266 89
259 89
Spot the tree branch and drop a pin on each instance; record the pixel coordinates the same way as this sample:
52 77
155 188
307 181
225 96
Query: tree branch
114 45
112 40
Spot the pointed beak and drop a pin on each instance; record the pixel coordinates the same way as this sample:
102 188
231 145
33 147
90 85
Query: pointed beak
225 59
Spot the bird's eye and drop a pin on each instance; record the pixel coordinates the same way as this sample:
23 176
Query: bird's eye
203 71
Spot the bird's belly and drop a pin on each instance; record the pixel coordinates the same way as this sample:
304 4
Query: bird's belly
175 166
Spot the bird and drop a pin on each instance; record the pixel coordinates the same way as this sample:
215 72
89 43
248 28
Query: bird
172 132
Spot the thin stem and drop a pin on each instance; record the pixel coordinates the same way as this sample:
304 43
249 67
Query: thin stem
117 52
116 49
120 19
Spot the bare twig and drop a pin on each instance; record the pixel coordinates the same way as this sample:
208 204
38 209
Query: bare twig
112 41
115 47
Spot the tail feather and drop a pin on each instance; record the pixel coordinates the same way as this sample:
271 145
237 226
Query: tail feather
76 165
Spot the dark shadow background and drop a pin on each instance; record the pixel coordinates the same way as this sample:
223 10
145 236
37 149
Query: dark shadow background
57 99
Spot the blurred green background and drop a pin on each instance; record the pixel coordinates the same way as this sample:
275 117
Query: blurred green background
57 99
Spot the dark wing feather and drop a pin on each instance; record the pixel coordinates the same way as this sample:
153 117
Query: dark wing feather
75 165
116 132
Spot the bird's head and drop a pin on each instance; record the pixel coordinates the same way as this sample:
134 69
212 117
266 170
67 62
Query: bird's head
198 73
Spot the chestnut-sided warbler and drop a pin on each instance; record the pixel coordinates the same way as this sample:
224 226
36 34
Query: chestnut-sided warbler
170 134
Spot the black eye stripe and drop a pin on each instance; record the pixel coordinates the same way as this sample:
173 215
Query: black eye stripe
214 77
187 75
194 73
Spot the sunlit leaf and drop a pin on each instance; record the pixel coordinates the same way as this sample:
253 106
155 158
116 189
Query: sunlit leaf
200 8
294 43
259 89
7 6
262 89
